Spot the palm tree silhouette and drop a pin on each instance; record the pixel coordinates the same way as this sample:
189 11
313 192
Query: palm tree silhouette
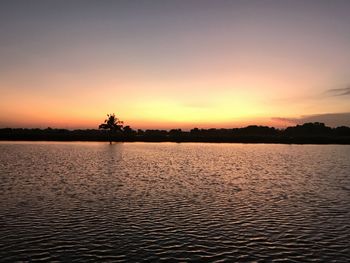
112 123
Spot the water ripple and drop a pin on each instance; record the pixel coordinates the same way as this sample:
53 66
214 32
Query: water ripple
132 202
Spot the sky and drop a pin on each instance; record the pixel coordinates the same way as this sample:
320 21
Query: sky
174 64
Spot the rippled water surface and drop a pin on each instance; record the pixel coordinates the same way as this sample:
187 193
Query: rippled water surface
174 202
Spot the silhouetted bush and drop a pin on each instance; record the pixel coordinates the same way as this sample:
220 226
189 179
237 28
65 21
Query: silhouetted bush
306 133
309 129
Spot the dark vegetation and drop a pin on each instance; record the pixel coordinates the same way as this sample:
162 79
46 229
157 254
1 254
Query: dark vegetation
308 133
112 124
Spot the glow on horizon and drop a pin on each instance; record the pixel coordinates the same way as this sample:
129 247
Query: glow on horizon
228 64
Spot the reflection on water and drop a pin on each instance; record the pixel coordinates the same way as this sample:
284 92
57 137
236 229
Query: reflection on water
174 202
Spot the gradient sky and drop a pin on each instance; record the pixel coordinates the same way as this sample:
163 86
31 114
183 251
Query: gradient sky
174 64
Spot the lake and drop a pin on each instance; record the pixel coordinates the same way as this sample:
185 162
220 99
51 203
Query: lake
131 202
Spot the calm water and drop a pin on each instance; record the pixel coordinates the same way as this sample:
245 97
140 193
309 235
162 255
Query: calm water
174 202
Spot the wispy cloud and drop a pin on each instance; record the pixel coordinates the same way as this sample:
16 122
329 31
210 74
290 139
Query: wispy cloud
339 92
321 95
287 120
330 119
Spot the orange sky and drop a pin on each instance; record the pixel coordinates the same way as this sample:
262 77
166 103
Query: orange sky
173 65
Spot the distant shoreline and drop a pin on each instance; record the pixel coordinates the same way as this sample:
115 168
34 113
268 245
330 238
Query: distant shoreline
308 133
296 141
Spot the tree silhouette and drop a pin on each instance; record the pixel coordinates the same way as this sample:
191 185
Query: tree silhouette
113 124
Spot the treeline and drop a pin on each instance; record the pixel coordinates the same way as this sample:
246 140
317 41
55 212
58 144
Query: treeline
307 133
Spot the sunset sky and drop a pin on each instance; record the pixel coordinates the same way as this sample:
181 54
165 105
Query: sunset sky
174 64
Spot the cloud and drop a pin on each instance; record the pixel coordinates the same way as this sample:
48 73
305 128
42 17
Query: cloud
339 92
330 119
288 120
